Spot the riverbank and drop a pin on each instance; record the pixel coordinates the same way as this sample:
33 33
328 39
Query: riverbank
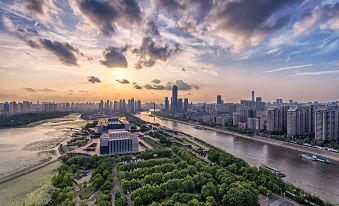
20 120
29 189
288 145
27 171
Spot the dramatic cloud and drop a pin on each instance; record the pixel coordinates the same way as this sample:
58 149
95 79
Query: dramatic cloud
114 57
181 85
154 87
198 9
242 25
137 87
64 51
29 36
149 52
123 81
169 85
156 81
106 14
38 8
93 79
152 29
325 16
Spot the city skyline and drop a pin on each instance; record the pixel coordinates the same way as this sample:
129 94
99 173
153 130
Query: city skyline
66 51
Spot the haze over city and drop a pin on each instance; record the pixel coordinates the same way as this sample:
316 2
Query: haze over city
90 50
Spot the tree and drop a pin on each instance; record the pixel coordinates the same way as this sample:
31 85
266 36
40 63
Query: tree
107 185
103 200
194 202
120 200
241 194
208 190
97 181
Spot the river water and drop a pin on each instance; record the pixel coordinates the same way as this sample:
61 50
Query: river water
23 148
314 177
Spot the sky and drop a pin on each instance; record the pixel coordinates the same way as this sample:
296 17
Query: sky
88 50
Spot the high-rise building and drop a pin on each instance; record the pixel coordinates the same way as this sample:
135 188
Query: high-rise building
123 107
131 107
219 100
6 107
253 96
101 105
235 118
276 119
174 105
295 121
116 106
138 106
327 124
186 105
309 119
166 104
180 105
107 106
259 104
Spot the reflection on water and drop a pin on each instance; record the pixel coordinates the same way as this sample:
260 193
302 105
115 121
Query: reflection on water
314 177
22 148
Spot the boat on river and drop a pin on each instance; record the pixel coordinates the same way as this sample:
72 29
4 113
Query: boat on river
315 157
199 128
275 171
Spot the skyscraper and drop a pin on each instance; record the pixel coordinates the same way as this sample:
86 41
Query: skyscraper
101 105
253 96
166 104
326 124
277 119
219 99
174 105
180 105
185 105
295 121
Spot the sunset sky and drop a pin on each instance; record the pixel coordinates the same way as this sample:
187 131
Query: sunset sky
87 50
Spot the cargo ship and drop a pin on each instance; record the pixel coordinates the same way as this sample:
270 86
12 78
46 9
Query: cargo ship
275 171
314 157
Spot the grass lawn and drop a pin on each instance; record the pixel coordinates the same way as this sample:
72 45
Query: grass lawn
29 189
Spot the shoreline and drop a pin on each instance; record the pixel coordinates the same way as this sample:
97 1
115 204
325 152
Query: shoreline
27 171
302 148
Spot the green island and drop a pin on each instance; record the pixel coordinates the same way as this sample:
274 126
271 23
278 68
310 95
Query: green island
19 120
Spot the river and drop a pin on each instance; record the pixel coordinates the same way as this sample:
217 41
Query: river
314 177
27 147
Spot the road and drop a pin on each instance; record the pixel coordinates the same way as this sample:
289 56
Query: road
116 185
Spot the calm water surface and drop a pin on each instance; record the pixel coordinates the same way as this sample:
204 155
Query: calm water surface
22 148
315 177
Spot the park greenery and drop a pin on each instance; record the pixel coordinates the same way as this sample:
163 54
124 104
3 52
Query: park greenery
19 120
175 176
181 176
101 181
